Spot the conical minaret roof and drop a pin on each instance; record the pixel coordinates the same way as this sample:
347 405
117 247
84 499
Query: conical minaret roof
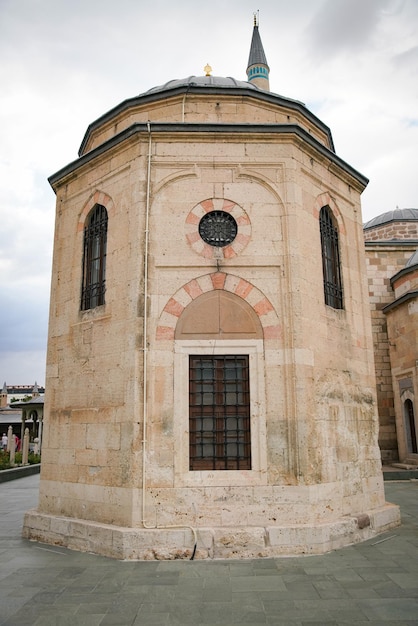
258 69
3 396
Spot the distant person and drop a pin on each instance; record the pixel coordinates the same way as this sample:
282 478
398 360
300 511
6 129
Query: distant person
17 443
4 441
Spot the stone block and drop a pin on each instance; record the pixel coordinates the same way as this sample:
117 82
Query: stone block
312 539
385 518
78 530
60 526
36 521
239 542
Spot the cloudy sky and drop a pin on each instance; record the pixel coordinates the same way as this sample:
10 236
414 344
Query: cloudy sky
354 63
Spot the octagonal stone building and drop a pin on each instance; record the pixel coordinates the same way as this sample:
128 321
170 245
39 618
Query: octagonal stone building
210 379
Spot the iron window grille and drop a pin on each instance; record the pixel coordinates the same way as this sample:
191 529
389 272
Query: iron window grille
94 259
218 228
333 290
219 417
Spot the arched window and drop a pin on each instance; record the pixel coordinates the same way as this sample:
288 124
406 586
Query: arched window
411 434
333 291
94 258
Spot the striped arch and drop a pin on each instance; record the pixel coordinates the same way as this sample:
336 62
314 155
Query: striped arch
99 197
218 280
325 199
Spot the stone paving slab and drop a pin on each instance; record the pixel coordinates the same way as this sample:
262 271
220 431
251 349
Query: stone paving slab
373 583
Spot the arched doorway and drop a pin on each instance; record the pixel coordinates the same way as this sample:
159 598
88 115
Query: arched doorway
410 430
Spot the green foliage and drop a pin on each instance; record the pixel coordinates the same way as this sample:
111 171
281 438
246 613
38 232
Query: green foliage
4 460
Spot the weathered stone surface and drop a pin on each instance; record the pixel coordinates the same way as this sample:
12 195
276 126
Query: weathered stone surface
211 543
116 476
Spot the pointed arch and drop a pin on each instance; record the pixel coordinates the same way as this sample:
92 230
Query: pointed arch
94 258
218 314
325 199
92 226
98 197
331 264
262 307
410 429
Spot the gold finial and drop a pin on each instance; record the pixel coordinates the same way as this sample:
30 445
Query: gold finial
207 69
256 17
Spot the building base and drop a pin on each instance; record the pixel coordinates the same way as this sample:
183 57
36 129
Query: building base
207 543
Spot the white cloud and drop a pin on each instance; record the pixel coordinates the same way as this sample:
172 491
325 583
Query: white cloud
345 26
23 368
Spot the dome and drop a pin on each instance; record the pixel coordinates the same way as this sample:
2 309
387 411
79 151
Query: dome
203 81
398 215
216 83
413 260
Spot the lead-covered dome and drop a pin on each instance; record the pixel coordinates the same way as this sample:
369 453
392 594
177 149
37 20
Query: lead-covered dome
397 215
413 260
221 82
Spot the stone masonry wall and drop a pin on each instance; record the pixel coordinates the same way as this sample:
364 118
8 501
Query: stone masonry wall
116 445
391 231
382 263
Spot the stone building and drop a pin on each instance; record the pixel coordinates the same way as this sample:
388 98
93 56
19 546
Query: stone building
209 305
19 415
391 242
12 393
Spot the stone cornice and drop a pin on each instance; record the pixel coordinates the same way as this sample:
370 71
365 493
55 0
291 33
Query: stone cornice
410 295
392 243
247 130
403 272
148 98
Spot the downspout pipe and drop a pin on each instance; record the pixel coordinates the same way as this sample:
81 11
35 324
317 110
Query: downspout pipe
145 353
145 328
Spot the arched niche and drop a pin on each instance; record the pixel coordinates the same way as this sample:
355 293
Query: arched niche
218 314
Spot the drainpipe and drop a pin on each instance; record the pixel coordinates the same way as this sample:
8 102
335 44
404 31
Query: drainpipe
145 329
145 355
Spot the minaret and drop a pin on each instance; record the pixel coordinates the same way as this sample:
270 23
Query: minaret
3 396
258 69
35 391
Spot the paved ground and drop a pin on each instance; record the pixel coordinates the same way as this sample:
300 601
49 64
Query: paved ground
374 583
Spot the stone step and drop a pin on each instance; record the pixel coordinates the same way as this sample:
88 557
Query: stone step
407 465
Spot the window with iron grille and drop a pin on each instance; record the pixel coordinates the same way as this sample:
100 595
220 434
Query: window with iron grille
218 228
330 259
219 412
94 259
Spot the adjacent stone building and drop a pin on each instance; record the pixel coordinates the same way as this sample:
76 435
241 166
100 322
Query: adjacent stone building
27 413
391 241
210 380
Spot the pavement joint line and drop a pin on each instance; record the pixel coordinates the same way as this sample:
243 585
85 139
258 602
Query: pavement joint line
50 550
351 585
382 540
